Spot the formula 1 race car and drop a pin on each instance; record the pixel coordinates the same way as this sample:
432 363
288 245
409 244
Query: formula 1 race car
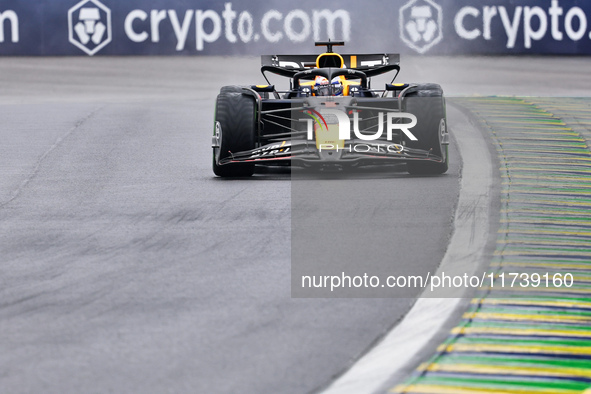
330 117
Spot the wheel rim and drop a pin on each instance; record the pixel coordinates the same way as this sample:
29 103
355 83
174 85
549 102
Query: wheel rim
218 141
443 139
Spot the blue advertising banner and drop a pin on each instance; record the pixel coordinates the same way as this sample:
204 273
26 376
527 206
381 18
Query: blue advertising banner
208 27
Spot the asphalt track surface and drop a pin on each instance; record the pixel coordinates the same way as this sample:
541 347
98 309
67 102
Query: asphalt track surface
126 267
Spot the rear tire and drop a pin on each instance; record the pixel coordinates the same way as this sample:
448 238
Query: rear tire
235 127
428 105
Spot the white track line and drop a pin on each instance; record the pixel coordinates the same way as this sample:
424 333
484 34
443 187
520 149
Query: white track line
423 322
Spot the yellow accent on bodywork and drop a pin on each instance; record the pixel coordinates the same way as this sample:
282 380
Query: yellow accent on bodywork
329 54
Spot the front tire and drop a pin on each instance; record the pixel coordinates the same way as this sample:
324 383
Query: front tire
234 131
428 105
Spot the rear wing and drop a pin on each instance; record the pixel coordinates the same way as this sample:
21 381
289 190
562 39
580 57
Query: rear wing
302 62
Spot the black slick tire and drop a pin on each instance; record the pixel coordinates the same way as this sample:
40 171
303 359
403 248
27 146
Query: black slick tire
235 131
427 103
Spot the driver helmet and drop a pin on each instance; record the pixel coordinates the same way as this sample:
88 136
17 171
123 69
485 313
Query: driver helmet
323 88
337 86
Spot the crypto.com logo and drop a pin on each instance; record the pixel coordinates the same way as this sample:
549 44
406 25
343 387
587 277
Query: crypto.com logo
339 117
89 26
421 24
